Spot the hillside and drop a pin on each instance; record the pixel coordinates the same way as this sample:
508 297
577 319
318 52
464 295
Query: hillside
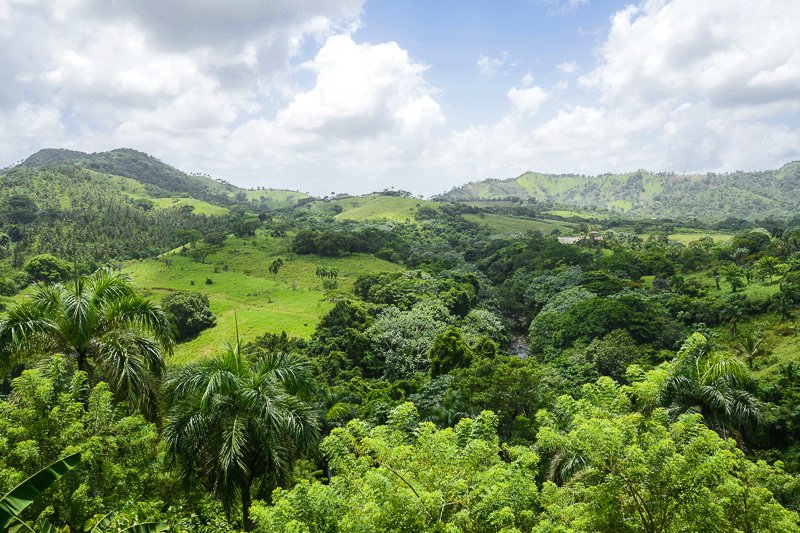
113 206
242 289
713 197
374 206
156 179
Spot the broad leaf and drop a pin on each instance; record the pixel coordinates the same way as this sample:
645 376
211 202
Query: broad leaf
26 492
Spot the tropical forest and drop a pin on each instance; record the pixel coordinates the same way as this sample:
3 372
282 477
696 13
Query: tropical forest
180 354
399 266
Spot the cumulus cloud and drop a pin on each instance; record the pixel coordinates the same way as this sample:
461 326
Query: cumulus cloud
728 53
283 93
527 100
679 85
369 111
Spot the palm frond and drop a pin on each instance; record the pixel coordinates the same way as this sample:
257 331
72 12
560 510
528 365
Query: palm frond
25 327
131 364
137 312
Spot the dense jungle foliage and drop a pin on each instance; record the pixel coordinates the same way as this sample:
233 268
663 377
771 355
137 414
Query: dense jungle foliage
474 378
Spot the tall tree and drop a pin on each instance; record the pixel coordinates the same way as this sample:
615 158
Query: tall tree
238 424
714 384
114 333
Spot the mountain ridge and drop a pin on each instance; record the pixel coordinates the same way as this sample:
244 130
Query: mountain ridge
642 194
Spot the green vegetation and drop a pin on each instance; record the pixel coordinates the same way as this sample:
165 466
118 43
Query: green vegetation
516 364
508 224
714 197
254 439
243 289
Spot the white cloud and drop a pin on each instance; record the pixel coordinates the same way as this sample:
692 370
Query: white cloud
489 66
728 53
568 67
282 94
680 85
527 100
370 111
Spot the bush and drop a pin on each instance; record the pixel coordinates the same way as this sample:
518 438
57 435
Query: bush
191 312
47 268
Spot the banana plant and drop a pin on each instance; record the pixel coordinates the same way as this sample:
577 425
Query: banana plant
24 494
103 526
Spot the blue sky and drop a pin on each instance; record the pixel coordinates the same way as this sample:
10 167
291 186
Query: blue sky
355 96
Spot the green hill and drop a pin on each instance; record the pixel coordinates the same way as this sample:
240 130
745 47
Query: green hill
243 290
376 206
748 195
112 206
158 179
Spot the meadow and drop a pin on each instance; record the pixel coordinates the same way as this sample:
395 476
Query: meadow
509 224
243 291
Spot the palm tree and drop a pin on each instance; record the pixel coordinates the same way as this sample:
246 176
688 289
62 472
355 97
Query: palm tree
749 347
237 423
116 334
714 384
783 305
275 268
733 310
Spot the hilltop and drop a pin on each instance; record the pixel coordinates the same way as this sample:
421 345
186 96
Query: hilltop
138 175
748 195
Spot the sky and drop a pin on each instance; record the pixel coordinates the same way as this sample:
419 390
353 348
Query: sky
353 96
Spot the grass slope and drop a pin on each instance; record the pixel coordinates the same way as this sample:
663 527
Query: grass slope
509 224
248 293
370 207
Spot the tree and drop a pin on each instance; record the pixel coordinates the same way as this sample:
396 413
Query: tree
191 313
18 209
749 347
448 351
23 495
733 310
613 353
113 332
783 305
513 388
237 424
215 238
45 418
47 268
714 384
403 338
768 266
407 476
275 268
733 275
614 469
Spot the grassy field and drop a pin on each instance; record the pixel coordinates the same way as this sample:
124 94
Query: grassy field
200 207
247 292
375 206
685 236
568 214
509 224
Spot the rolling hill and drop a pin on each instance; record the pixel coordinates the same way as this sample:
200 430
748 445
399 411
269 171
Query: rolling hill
643 194
148 177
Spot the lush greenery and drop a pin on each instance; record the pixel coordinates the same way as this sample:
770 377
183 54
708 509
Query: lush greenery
396 364
748 195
